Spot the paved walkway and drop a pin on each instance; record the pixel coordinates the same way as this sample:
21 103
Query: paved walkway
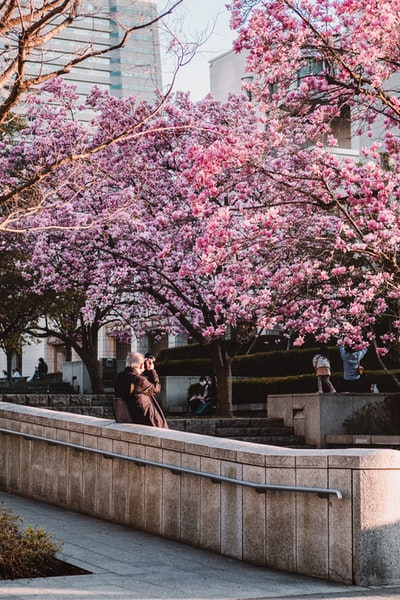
128 564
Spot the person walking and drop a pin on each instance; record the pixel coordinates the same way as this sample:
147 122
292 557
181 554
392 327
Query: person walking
138 392
352 368
322 369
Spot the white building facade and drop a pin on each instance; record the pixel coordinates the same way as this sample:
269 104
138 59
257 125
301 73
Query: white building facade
228 75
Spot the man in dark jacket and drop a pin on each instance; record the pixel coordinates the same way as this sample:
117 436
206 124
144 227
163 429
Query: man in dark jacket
138 392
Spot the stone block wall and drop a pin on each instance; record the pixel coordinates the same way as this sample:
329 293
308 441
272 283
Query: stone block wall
95 405
100 405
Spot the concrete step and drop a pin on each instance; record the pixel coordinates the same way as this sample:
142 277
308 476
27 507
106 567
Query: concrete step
250 422
291 441
253 431
259 430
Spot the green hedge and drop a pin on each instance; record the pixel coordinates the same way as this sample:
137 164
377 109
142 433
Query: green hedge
256 389
263 364
266 343
196 366
193 360
281 363
190 351
273 372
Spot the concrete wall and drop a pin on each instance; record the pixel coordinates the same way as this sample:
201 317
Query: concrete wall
354 539
75 373
316 416
174 392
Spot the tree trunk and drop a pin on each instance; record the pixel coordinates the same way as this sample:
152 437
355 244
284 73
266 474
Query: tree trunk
384 367
96 382
87 351
9 355
84 341
222 365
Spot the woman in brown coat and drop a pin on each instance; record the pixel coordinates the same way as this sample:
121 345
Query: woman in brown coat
139 391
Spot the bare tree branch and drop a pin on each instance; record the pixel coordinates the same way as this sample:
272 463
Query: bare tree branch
25 29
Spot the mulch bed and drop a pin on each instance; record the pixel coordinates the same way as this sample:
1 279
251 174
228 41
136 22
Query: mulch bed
54 568
59 568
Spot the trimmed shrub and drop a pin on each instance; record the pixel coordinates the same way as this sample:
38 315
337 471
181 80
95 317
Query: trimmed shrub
196 366
24 553
256 389
274 372
193 359
273 364
378 418
384 382
263 344
263 364
188 352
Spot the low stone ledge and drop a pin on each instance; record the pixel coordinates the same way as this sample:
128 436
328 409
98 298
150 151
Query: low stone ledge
350 540
363 440
97 405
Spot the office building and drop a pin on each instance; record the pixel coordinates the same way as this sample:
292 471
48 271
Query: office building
133 69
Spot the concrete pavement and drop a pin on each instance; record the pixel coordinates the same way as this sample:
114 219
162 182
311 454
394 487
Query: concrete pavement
129 564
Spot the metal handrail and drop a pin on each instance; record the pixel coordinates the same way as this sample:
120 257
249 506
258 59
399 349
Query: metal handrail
260 488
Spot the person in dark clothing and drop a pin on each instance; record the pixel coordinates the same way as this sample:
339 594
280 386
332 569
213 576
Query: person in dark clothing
40 371
42 368
123 386
138 392
197 399
210 397
149 362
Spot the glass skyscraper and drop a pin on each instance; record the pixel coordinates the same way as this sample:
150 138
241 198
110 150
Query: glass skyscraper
133 69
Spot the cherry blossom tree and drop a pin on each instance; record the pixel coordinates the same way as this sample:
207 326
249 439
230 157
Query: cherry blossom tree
314 66
183 192
65 261
311 60
200 237
20 306
33 54
219 226
207 236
